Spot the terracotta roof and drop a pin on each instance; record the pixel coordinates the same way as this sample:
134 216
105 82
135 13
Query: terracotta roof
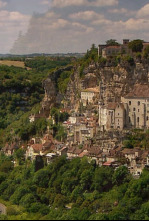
84 153
94 151
37 147
113 105
78 151
139 91
71 150
107 164
47 144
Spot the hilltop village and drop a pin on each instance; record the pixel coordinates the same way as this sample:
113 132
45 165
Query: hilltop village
105 107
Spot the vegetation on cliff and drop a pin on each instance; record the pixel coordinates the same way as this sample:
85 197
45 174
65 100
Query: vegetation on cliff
21 94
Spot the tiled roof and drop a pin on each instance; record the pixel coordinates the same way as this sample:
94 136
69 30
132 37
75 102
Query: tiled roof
113 105
107 164
139 91
37 147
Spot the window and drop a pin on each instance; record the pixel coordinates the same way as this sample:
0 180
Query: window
129 120
147 118
138 110
138 103
129 102
138 119
134 109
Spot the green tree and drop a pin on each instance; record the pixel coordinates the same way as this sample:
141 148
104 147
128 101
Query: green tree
146 52
19 155
120 176
136 45
112 42
41 178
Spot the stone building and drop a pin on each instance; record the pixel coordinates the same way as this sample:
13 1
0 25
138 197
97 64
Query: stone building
111 116
90 96
132 112
111 51
108 51
136 105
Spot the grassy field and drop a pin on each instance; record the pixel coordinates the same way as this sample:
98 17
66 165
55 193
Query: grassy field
13 63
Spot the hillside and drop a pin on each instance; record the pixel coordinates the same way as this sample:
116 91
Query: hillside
21 94
40 181
71 190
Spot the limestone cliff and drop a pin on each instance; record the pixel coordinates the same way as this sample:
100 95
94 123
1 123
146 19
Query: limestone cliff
52 95
116 81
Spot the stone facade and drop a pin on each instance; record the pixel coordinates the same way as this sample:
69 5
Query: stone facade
108 51
90 96
111 116
137 107
132 112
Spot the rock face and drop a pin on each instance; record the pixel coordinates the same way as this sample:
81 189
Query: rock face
52 96
116 81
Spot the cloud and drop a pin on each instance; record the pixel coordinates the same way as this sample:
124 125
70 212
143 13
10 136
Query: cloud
11 23
90 3
86 15
122 11
143 12
65 28
3 4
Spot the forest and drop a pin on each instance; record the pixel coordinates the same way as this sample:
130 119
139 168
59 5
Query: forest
71 190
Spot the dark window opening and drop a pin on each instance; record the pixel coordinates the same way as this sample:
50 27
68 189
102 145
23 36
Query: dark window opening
138 119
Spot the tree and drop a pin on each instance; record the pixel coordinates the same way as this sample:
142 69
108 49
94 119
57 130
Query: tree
120 175
146 52
3 177
41 178
19 155
136 45
6 167
27 200
112 42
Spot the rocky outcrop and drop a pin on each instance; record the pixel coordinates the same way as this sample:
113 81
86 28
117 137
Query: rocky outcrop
52 95
116 82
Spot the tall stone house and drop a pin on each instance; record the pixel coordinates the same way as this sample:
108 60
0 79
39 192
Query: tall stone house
131 112
111 116
136 105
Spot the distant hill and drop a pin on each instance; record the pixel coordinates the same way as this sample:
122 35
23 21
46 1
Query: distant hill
42 54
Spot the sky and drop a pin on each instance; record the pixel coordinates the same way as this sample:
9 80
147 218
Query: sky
64 26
